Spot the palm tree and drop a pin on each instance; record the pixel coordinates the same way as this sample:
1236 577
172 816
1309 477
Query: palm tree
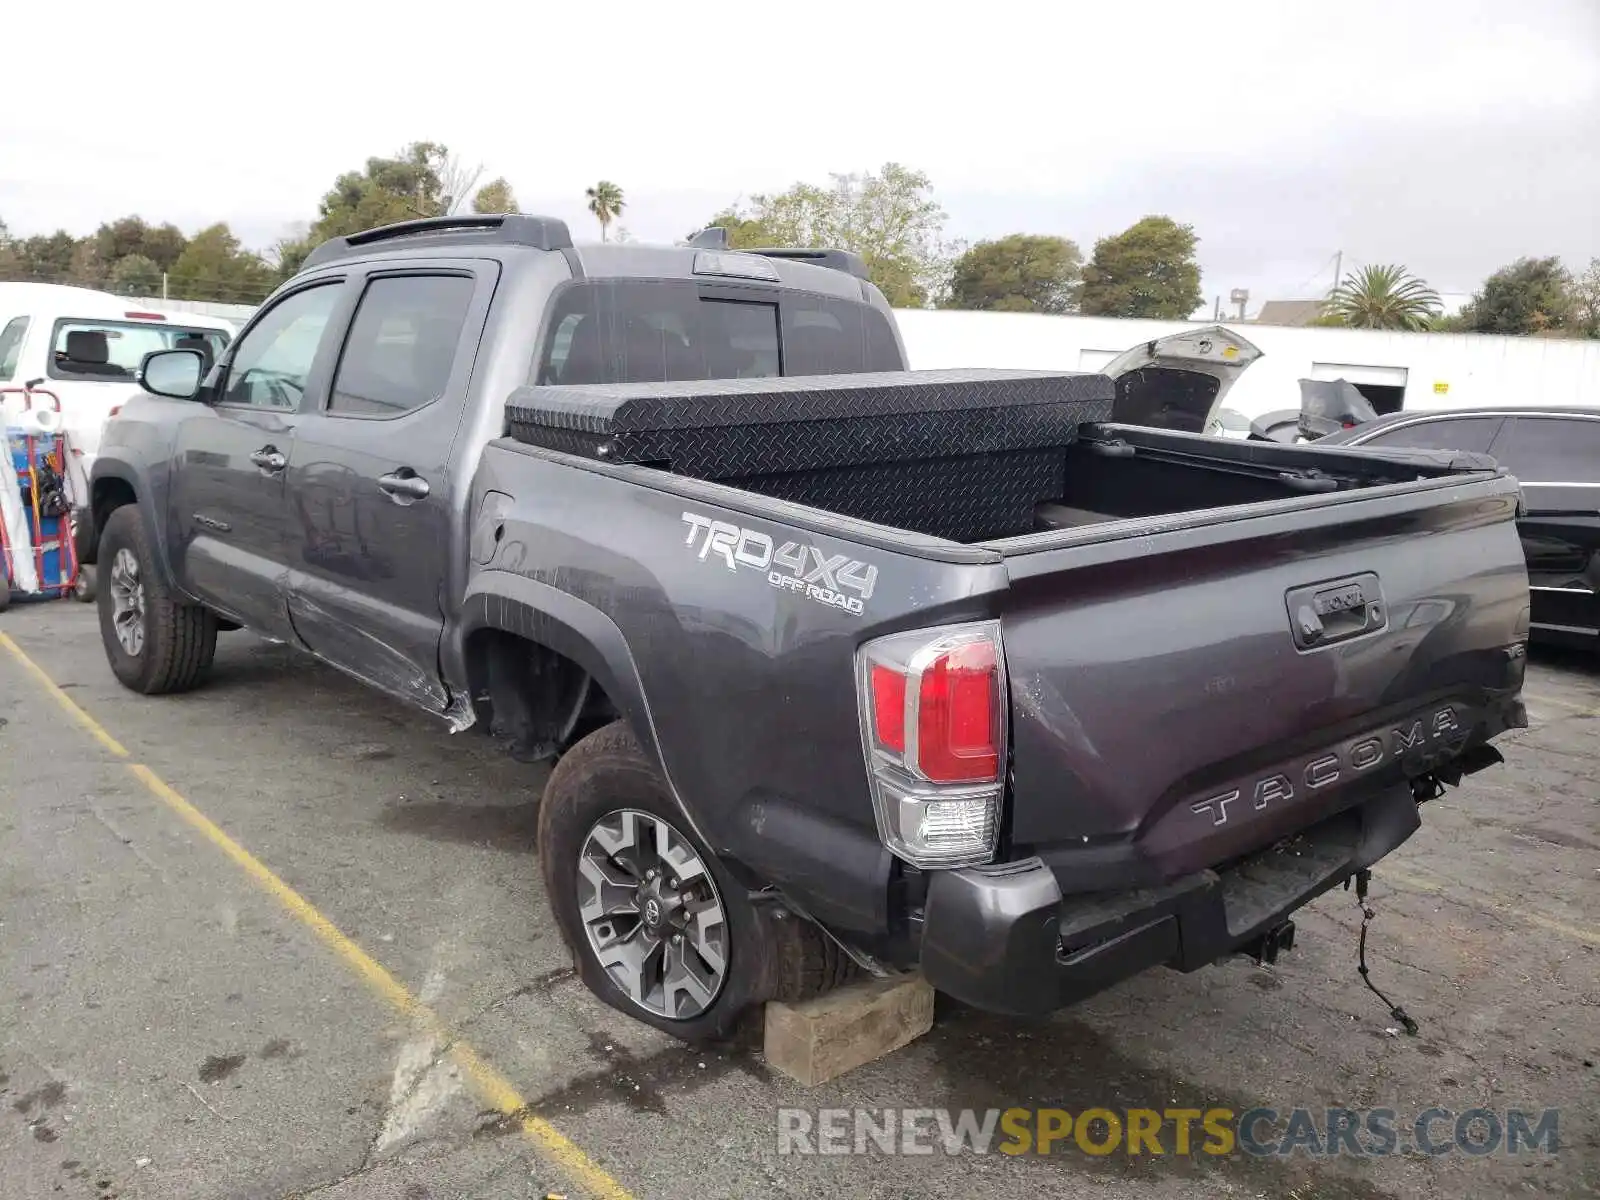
606 203
1386 297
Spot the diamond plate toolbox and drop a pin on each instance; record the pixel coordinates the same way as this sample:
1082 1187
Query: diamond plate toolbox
733 428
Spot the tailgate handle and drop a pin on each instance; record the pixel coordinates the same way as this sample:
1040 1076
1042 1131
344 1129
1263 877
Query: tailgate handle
1321 614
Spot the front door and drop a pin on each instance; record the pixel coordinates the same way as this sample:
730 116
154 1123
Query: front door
231 456
370 479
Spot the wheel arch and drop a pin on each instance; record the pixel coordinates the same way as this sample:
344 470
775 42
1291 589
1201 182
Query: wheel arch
566 630
115 485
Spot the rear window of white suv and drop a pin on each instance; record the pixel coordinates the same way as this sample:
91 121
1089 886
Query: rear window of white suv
106 351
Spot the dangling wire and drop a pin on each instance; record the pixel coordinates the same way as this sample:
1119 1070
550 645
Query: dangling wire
1364 876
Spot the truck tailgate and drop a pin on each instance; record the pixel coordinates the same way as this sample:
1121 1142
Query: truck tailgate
1187 690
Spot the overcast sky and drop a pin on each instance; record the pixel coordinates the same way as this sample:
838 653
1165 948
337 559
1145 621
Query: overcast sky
1451 135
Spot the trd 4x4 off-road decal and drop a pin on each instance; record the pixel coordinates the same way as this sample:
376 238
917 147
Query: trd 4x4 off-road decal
793 566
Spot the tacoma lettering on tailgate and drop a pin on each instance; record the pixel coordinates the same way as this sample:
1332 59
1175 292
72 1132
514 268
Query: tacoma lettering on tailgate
1436 730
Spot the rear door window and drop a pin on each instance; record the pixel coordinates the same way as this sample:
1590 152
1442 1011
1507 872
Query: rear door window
644 331
402 345
1550 449
1471 434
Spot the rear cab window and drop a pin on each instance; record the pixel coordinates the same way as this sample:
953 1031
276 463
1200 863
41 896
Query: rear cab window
652 331
87 349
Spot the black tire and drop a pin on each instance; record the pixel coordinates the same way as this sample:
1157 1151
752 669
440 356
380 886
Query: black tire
83 588
601 774
179 639
804 961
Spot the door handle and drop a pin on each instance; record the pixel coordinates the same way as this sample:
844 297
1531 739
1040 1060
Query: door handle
269 459
404 488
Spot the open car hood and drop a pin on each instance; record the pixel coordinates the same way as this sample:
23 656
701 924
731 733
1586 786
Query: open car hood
1179 381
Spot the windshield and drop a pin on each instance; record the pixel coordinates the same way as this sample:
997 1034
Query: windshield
106 351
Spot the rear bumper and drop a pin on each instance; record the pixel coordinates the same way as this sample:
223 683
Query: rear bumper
1003 938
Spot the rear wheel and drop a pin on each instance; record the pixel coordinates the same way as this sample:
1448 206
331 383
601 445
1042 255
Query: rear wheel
658 928
83 587
154 642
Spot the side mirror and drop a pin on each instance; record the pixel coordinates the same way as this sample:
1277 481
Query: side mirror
174 374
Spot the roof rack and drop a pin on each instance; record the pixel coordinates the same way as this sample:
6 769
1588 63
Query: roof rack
851 263
509 229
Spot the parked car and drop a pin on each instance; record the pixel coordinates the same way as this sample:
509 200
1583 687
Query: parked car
1555 455
84 347
937 670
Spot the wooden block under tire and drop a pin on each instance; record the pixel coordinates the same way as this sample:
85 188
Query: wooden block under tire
818 1040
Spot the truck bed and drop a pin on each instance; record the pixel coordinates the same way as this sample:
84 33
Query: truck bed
967 456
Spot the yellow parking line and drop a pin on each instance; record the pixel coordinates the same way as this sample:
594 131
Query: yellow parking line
491 1086
1418 882
61 698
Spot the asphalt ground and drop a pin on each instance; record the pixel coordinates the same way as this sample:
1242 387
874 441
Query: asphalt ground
285 937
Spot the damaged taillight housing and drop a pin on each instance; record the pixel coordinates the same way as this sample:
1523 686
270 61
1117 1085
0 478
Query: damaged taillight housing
933 724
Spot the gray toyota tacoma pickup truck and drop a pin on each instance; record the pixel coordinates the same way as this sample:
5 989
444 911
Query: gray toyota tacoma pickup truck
843 666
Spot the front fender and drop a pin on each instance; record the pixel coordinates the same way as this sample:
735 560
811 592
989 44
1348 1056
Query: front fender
111 482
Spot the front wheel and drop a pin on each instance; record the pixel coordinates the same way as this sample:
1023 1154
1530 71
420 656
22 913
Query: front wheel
154 642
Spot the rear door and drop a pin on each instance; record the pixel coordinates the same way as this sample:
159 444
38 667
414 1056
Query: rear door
226 503
1556 458
371 478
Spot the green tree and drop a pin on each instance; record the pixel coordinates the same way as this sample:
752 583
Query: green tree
606 202
889 218
387 190
9 266
162 244
116 240
1383 297
1585 294
136 275
1147 270
1529 296
1020 273
215 267
495 196
46 258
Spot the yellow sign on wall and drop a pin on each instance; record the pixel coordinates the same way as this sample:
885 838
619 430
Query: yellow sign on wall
1440 387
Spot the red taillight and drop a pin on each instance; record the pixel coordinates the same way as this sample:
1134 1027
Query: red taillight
933 707
142 316
954 708
115 409
889 708
956 728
